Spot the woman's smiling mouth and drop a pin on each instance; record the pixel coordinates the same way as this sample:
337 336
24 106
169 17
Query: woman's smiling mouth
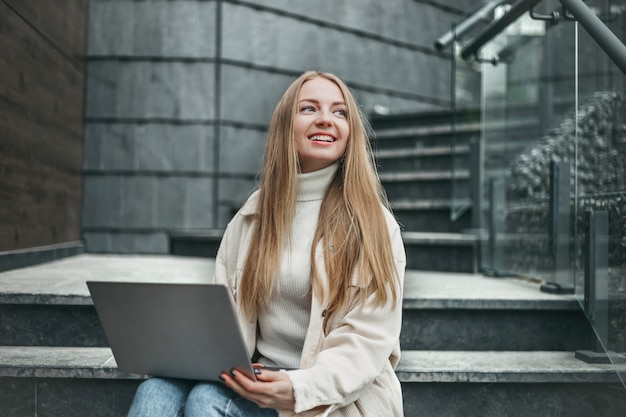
322 138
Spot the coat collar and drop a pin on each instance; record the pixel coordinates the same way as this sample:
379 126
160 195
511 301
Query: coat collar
249 208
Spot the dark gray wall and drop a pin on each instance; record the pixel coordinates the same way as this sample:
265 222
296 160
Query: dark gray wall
179 94
42 50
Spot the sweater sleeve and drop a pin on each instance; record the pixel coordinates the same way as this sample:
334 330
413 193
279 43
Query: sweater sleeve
356 351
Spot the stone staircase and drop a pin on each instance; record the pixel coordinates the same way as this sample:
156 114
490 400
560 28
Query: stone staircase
472 346
415 154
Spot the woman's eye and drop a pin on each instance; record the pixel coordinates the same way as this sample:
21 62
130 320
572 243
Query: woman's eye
307 109
341 112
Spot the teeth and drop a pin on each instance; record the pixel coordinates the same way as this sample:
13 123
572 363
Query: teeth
322 138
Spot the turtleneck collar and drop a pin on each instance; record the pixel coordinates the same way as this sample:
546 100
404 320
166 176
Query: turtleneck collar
312 185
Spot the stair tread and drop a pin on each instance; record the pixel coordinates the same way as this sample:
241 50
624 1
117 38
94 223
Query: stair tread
424 175
453 290
63 283
60 362
414 366
430 130
437 238
425 204
501 367
422 151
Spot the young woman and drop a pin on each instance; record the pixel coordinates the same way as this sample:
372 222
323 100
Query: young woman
315 263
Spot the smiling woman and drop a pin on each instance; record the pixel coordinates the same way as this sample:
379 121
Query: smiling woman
315 263
320 125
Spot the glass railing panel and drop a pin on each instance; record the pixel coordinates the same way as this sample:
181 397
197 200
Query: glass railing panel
552 150
600 184
528 83
466 82
539 143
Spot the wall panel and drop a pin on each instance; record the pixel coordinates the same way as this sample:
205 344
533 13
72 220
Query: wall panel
147 202
64 23
412 22
145 90
284 42
152 28
149 147
180 93
41 109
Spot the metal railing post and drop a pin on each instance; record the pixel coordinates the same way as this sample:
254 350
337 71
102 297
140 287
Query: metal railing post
476 189
596 300
559 230
496 227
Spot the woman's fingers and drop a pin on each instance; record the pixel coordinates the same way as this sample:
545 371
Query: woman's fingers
271 390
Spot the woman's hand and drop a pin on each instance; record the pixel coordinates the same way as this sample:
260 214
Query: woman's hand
272 389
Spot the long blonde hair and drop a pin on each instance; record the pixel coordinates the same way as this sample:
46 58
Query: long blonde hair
351 224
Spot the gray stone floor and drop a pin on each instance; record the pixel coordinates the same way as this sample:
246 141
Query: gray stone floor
64 281
460 290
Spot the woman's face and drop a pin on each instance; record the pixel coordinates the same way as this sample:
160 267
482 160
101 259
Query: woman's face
320 124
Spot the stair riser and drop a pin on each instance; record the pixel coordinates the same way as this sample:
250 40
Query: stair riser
424 189
417 141
422 163
435 399
509 330
434 220
51 397
203 248
426 118
450 258
436 329
50 325
22 397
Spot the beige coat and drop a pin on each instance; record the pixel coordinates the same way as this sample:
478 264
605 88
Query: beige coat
348 361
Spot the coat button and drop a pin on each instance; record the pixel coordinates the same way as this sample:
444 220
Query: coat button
324 313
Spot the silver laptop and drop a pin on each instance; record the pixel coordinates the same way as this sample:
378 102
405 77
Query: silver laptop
187 331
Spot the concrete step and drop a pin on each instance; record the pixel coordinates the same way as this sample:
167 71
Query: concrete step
452 252
202 243
458 311
431 215
424 118
49 305
511 384
85 381
425 184
434 158
425 136
426 128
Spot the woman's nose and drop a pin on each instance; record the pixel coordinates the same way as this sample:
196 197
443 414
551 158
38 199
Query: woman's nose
324 118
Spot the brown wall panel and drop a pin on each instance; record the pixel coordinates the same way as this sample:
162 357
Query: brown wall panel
41 127
64 22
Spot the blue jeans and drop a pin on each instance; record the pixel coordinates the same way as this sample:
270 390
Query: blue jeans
163 397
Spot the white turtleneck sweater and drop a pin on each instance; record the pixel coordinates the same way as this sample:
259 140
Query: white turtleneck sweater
283 325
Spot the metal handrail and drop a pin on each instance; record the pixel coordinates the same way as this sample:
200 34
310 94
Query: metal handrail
603 36
497 26
466 24
600 33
